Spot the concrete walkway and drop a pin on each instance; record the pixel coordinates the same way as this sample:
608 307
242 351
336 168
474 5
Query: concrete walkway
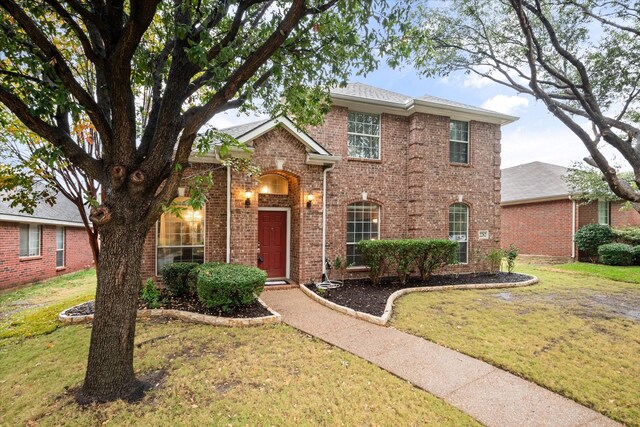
490 395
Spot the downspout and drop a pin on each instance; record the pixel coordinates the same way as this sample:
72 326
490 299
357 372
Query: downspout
228 214
324 221
573 230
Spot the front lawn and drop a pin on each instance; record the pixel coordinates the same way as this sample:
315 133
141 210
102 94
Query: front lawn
620 274
204 375
576 334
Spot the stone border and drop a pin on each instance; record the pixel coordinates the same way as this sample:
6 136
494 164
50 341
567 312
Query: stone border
386 315
186 316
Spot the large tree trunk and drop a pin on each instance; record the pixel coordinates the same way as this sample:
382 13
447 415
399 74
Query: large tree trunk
110 372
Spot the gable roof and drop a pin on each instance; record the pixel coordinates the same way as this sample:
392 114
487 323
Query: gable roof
359 95
533 181
63 213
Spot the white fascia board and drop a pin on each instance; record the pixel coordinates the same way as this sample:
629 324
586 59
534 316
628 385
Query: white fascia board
321 159
43 221
536 200
290 126
419 106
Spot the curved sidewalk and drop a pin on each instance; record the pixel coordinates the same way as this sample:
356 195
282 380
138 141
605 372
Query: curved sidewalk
492 396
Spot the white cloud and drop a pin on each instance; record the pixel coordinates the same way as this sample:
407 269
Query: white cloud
505 104
476 81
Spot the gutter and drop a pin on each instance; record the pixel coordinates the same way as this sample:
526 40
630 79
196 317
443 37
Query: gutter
324 220
573 230
228 215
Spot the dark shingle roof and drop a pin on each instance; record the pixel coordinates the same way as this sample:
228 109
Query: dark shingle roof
239 130
531 181
62 210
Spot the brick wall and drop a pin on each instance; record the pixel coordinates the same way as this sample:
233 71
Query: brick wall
15 270
542 228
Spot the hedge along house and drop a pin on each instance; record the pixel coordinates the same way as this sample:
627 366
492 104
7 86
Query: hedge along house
540 215
47 243
383 165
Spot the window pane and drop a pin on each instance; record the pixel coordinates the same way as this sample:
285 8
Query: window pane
362 224
24 240
274 184
59 237
603 212
459 141
459 229
60 258
363 135
34 240
186 254
180 237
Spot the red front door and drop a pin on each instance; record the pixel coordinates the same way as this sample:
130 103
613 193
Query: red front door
272 239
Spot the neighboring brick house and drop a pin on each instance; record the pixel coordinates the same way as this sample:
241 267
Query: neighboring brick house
391 166
540 216
50 242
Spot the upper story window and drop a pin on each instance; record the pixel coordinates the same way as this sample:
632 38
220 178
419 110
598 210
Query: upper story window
363 136
29 240
180 237
458 141
459 229
363 223
274 184
603 212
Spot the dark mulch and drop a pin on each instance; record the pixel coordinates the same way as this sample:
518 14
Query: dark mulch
362 295
190 303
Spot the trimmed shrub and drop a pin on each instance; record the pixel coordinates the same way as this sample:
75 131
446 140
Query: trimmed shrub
630 235
590 237
616 254
228 286
636 253
434 254
174 277
150 294
375 257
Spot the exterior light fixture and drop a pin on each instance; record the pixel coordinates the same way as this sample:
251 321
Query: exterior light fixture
247 201
364 195
309 200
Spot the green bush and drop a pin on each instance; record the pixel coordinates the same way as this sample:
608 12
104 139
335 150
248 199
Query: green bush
434 254
590 237
150 294
228 286
616 254
494 259
630 235
636 253
174 277
406 255
511 253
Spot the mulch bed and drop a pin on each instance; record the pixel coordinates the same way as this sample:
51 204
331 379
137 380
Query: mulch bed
362 295
191 304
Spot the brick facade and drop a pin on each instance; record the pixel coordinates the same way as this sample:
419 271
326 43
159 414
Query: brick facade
545 228
413 183
15 270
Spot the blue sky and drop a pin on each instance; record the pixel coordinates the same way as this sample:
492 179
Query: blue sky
536 136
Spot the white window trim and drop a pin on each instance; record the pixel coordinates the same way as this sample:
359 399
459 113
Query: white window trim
204 239
64 247
467 230
356 243
468 142
366 134
288 250
39 254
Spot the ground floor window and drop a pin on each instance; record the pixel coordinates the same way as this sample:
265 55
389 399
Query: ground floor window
59 246
180 236
459 229
603 212
29 240
363 223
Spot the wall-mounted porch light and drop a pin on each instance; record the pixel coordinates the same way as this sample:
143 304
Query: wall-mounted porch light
247 201
309 200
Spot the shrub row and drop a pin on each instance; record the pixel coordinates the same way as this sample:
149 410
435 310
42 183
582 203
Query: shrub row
407 255
217 285
609 246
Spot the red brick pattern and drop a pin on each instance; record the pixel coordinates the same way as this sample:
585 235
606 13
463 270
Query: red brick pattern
16 271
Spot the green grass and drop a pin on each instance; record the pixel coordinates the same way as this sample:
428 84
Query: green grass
620 274
575 334
203 375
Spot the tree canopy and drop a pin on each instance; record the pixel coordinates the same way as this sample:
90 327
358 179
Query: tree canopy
579 57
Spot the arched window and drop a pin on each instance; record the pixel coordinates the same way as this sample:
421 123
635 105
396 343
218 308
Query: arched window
459 229
363 223
180 237
273 184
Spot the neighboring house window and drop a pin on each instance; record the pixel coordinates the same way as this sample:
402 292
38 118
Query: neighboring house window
274 184
363 136
180 238
29 240
363 223
458 141
603 212
59 246
459 229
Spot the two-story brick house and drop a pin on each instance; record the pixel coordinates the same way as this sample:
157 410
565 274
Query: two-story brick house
383 165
